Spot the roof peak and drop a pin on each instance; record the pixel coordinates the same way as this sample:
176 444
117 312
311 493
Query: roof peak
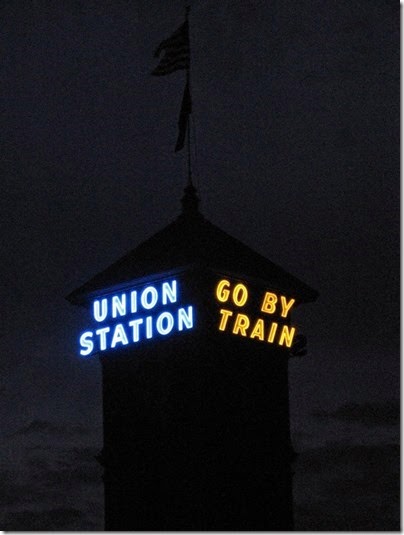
190 202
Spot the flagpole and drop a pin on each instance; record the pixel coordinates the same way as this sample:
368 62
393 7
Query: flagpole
188 81
176 56
190 200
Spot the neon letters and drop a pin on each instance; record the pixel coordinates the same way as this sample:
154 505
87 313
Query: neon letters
142 313
138 324
241 324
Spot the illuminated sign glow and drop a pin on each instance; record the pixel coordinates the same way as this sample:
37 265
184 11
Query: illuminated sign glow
139 325
241 324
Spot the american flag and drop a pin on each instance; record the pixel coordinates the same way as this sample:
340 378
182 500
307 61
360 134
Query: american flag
176 52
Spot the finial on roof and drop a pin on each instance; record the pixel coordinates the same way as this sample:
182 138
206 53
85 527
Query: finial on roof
190 201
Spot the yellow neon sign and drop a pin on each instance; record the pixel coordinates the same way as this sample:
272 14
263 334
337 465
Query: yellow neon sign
239 295
241 324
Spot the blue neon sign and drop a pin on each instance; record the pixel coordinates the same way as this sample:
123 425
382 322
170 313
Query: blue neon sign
139 323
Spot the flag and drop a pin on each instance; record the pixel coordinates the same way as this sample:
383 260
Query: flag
186 108
176 57
176 52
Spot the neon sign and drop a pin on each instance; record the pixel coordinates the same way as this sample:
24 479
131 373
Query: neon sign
139 325
241 324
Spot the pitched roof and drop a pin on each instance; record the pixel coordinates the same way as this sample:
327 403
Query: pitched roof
188 240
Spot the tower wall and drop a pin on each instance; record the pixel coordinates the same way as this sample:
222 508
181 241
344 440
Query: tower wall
196 429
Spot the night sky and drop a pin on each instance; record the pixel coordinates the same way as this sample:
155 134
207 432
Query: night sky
296 153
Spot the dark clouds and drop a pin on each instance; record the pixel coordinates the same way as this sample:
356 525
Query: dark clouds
352 482
41 427
50 479
342 488
371 414
60 518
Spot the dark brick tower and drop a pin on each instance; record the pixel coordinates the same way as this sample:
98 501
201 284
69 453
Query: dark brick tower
196 419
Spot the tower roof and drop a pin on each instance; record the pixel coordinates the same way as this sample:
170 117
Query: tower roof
192 239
